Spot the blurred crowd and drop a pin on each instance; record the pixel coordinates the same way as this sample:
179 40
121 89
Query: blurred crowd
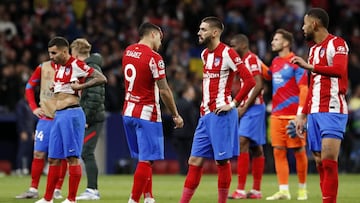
110 25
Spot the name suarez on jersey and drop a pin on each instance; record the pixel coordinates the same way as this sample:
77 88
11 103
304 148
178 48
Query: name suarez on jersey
134 54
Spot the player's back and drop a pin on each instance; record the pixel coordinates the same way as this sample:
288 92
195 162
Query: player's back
142 67
139 64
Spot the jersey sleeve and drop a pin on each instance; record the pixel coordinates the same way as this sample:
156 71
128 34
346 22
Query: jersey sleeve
33 81
81 70
234 60
157 67
301 78
248 82
340 60
254 66
266 71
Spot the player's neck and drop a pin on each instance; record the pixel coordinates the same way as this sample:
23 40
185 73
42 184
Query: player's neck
213 44
284 52
147 43
66 59
321 36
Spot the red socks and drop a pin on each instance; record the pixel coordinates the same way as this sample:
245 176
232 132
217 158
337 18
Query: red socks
192 181
141 178
242 169
53 176
63 170
37 167
148 187
224 180
330 181
74 180
320 169
258 165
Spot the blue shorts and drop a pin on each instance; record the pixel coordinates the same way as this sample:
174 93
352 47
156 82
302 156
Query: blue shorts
42 134
321 125
216 136
252 125
145 138
67 133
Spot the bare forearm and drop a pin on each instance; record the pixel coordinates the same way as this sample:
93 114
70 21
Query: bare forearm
168 99
97 78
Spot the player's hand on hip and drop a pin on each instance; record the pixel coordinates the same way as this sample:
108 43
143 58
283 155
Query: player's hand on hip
178 120
38 112
241 111
224 108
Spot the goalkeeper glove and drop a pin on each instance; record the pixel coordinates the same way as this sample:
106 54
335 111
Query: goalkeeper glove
291 129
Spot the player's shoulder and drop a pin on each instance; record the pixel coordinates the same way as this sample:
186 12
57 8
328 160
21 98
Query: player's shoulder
340 45
337 40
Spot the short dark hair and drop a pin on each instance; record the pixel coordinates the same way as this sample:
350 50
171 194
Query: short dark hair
320 14
60 42
241 38
214 22
286 35
146 28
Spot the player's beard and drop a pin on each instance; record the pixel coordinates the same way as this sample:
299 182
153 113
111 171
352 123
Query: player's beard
205 41
309 37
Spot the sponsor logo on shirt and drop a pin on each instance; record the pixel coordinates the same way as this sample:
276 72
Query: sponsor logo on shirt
341 50
211 75
161 64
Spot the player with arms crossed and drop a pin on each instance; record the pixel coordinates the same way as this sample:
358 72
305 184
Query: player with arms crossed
216 135
67 133
43 76
327 111
145 83
289 89
252 124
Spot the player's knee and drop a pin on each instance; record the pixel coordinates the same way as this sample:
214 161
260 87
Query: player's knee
257 151
222 162
195 161
39 155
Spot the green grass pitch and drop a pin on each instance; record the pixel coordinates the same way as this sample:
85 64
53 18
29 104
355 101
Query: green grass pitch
168 188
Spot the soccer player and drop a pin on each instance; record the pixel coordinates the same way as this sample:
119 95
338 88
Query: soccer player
327 111
289 89
67 133
216 135
145 83
43 76
92 101
252 124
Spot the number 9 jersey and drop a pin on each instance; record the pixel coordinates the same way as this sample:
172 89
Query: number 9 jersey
142 67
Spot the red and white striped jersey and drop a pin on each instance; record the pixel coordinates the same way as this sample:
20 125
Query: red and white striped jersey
219 70
142 67
329 80
73 70
253 64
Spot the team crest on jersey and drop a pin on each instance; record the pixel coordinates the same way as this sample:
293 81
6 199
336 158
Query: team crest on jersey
217 61
322 52
161 64
67 71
